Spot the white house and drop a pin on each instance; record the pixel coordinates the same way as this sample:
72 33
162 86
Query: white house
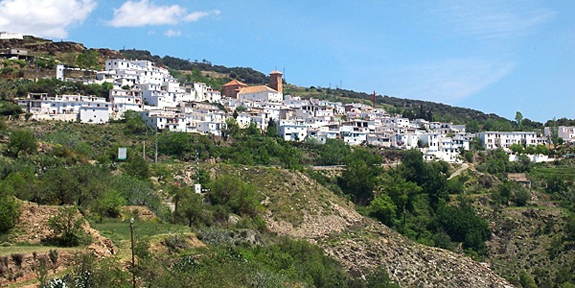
164 119
94 115
494 139
260 93
292 130
565 132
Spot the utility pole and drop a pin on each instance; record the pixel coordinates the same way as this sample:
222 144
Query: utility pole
144 150
198 166
133 259
156 160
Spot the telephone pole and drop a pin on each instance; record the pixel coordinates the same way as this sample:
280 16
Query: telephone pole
156 160
133 259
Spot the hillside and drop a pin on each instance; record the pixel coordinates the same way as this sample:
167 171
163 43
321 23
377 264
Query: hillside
299 207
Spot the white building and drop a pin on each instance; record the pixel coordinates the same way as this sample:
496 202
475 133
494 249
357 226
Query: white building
565 132
125 100
260 93
494 139
165 119
292 130
94 115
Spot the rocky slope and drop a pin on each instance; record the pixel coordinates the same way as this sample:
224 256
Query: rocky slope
38 46
299 207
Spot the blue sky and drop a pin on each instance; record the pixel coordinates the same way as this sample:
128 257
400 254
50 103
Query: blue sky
495 56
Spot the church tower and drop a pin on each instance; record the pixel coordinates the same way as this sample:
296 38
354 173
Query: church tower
276 81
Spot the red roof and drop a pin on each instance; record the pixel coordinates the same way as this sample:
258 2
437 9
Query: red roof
235 83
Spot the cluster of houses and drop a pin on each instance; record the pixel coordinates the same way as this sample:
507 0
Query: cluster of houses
165 104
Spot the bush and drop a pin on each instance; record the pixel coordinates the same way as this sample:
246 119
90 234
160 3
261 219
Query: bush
383 209
522 196
53 254
137 167
9 212
67 226
378 278
17 258
234 193
22 141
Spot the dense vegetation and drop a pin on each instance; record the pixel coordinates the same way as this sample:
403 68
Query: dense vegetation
414 198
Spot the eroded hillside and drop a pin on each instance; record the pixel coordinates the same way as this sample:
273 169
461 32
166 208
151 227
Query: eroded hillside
299 207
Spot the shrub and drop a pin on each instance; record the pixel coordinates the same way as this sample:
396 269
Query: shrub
383 209
22 141
9 212
522 196
378 278
53 254
17 258
67 225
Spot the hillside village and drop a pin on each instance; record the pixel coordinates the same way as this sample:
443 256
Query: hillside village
166 104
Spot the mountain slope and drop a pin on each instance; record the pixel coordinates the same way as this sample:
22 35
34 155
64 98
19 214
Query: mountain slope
299 207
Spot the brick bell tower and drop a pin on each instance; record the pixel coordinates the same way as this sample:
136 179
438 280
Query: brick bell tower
276 81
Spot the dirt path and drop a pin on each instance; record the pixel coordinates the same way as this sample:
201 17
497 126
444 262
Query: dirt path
463 167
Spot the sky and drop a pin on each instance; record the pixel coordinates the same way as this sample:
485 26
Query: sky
495 56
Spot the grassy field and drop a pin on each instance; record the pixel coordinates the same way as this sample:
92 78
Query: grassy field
565 172
119 231
32 248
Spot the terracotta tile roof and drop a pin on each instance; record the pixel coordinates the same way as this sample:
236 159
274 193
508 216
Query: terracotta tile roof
256 89
235 83
276 72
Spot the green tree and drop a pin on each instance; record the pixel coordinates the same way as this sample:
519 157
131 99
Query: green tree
333 152
475 144
463 225
88 59
542 149
234 193
9 212
232 129
190 206
526 280
109 204
272 130
22 141
67 226
516 148
137 167
531 150
401 192
360 176
554 131
252 129
570 228
378 278
521 197
175 143
134 123
472 127
518 118
383 208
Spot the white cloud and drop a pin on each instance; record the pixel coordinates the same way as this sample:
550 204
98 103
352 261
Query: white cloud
143 12
495 19
45 18
453 80
195 16
172 33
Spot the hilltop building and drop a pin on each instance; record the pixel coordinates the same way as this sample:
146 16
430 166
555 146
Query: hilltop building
232 88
